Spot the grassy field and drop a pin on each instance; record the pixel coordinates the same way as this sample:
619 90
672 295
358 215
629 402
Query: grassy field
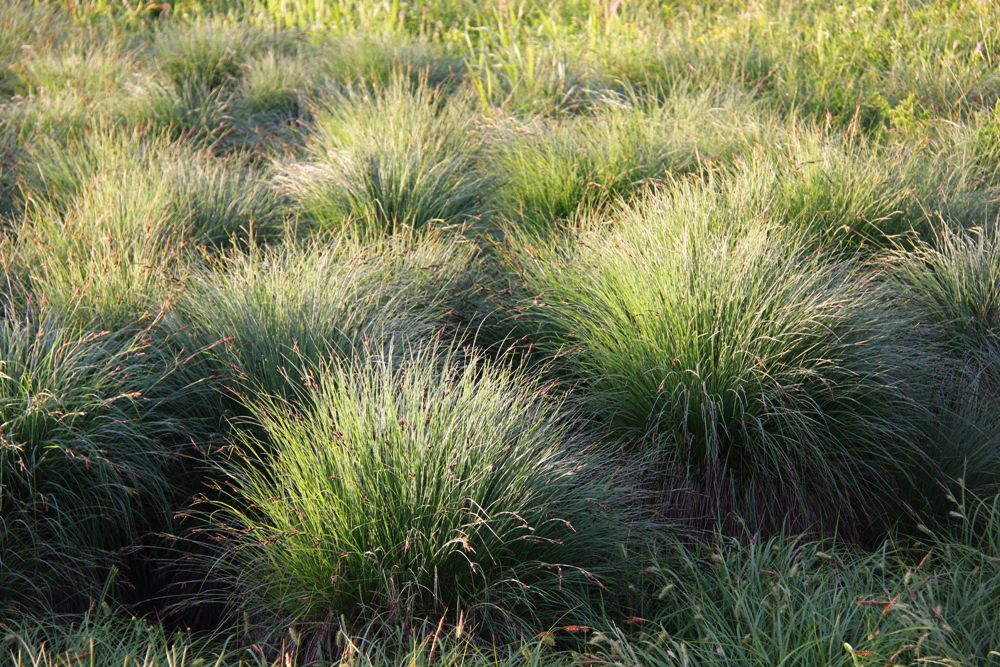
588 332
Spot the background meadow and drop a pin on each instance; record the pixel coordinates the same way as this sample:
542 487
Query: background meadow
509 333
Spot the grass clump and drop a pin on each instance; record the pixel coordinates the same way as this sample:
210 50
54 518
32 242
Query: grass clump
25 25
280 313
760 368
402 157
952 286
952 281
416 486
108 259
555 169
111 215
861 194
85 455
92 71
210 51
209 201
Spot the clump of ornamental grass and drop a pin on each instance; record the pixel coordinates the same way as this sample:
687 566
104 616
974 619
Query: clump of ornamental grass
376 60
402 156
952 281
277 313
417 485
951 284
210 51
767 374
25 25
85 457
209 201
219 202
93 70
271 87
856 193
57 168
838 195
555 169
202 61
110 220
110 258
103 77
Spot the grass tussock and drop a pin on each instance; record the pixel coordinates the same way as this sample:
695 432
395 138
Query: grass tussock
556 169
86 455
277 315
399 158
741 358
474 500
106 239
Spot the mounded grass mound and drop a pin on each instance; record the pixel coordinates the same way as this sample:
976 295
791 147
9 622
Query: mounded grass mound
274 314
771 376
862 194
555 169
25 23
951 283
85 458
209 201
110 258
210 51
399 156
107 241
427 485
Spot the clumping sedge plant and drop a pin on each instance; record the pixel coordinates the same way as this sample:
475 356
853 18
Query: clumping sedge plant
738 356
208 200
952 280
105 239
420 485
85 456
859 193
951 284
554 169
402 156
274 314
109 258
210 51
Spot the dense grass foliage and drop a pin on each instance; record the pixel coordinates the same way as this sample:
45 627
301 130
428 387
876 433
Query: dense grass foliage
742 358
765 602
86 454
428 485
480 333
559 168
272 317
396 158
